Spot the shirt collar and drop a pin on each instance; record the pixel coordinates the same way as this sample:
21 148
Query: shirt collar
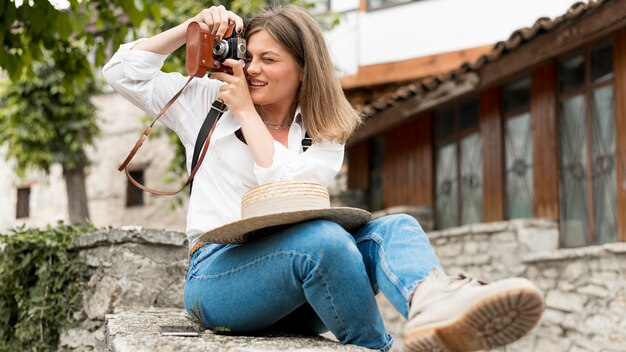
228 124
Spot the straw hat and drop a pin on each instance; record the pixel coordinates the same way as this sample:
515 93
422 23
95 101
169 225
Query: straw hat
283 203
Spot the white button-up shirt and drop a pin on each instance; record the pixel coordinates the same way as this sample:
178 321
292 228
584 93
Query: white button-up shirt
228 170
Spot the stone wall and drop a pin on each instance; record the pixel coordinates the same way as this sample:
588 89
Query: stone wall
585 292
585 288
127 268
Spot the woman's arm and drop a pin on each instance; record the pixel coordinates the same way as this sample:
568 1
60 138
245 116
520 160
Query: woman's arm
217 18
236 95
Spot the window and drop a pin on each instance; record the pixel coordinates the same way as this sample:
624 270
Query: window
134 195
518 148
377 4
458 170
587 138
22 208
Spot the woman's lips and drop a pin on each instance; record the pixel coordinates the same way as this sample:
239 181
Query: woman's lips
256 84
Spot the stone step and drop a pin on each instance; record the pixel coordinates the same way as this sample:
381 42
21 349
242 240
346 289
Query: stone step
138 331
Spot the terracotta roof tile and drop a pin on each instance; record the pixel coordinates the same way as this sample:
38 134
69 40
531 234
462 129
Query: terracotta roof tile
515 40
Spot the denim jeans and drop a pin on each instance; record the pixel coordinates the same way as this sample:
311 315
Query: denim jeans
310 278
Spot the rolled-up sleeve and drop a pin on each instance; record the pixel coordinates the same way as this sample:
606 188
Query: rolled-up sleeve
137 75
320 163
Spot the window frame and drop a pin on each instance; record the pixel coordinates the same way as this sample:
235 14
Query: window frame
135 195
23 211
455 138
587 92
506 115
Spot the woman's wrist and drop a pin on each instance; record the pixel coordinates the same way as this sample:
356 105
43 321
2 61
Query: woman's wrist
249 117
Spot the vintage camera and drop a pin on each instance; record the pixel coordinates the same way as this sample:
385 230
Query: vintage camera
204 54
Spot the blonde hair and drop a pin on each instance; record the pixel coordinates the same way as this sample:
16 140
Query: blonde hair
326 113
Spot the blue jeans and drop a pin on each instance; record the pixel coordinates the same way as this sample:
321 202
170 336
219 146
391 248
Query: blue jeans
310 278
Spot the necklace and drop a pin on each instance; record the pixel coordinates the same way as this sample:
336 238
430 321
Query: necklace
277 126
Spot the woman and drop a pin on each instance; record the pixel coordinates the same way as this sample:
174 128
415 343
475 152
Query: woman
291 281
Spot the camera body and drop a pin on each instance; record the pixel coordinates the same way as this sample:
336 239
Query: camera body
204 54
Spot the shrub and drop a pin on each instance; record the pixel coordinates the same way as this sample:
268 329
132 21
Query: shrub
40 286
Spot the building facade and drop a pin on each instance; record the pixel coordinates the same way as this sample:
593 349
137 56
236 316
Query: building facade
534 128
421 38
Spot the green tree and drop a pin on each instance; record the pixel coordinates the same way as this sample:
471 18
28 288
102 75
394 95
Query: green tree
48 119
44 123
50 55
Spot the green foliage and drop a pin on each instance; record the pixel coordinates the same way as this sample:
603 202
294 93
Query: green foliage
43 122
36 31
40 286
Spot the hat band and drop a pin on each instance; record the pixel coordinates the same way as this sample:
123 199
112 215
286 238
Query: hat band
283 205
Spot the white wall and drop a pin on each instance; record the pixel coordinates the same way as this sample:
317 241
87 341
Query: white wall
429 27
121 125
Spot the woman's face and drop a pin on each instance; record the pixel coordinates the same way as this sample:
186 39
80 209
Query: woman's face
273 73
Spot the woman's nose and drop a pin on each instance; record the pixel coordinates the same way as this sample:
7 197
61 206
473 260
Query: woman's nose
252 67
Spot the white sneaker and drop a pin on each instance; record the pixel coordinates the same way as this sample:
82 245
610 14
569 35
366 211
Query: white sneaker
463 314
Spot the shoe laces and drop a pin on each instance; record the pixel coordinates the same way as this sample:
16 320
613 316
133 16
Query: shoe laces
461 280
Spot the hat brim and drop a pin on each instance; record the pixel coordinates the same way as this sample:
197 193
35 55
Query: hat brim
244 231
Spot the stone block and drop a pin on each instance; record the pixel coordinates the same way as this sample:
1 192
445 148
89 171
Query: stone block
489 227
593 290
138 331
457 231
550 273
537 240
575 271
505 236
470 248
450 250
598 323
568 302
552 316
548 344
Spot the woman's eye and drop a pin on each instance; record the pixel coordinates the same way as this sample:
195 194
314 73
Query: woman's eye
268 59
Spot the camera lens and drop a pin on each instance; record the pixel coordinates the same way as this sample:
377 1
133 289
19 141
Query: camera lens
220 50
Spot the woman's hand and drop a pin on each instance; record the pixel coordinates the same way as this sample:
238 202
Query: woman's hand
217 18
235 92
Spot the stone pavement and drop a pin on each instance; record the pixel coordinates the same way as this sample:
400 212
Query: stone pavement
138 331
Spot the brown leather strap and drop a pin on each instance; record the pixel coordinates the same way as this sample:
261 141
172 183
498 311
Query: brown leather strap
144 136
148 129
197 246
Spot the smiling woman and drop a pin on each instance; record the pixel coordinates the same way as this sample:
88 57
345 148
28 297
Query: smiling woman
312 276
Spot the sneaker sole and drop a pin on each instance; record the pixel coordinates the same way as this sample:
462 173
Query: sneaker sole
495 321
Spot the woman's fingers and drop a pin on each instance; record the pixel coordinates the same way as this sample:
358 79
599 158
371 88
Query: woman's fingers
238 21
224 77
218 19
206 16
224 23
237 66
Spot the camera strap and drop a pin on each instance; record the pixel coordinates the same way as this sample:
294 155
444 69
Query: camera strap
204 136
213 116
306 141
200 148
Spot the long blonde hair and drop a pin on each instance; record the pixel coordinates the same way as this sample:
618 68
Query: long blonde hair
326 113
